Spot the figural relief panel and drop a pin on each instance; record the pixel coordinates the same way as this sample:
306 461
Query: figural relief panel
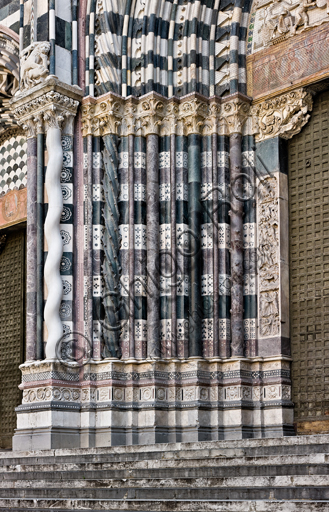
277 20
268 257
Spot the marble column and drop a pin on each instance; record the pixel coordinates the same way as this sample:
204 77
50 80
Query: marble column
40 244
237 329
131 244
152 223
173 245
214 219
31 250
194 216
53 236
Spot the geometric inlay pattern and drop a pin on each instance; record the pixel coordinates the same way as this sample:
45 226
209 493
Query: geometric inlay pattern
13 159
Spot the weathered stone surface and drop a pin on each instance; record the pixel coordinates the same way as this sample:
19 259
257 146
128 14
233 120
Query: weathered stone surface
263 475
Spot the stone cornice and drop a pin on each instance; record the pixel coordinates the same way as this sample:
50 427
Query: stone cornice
155 114
50 104
283 116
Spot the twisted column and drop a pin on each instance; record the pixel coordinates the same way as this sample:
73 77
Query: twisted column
52 232
112 238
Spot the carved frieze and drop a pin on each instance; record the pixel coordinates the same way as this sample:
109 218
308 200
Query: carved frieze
283 115
278 20
112 114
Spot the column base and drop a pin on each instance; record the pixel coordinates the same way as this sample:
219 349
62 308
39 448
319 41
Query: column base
113 403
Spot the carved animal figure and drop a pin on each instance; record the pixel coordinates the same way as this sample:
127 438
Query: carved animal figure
34 64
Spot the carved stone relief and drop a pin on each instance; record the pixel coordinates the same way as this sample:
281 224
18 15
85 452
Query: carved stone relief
278 20
283 115
268 262
156 114
34 64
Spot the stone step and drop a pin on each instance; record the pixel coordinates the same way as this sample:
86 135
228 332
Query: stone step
95 456
24 464
290 492
243 447
26 505
281 475
270 470
162 483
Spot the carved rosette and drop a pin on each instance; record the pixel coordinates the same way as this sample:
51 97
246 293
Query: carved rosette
282 116
114 115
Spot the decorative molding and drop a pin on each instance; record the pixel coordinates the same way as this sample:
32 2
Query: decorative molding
34 64
51 103
171 381
152 113
283 115
48 110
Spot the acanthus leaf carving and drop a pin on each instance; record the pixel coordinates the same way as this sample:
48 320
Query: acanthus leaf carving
159 115
50 109
283 115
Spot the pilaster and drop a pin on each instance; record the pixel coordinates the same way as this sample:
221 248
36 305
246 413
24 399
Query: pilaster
278 119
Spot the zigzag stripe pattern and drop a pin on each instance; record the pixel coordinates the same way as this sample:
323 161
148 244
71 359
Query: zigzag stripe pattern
111 242
171 47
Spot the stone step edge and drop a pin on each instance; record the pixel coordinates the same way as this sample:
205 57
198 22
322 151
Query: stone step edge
167 447
178 506
237 461
229 484
59 461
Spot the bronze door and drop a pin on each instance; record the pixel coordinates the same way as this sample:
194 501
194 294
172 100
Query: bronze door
309 269
12 288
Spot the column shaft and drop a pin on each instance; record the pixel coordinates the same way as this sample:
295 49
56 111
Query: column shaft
237 331
40 244
31 251
152 223
173 246
131 264
194 216
54 241
214 219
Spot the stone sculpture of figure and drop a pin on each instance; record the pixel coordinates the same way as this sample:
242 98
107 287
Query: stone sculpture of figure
34 64
277 20
301 16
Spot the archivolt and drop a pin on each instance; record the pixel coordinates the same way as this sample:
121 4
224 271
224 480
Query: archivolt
173 47
9 75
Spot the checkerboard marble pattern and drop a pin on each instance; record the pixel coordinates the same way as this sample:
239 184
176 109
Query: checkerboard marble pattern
13 159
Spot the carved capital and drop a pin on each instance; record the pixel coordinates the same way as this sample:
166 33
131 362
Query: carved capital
152 111
193 114
52 105
283 115
235 113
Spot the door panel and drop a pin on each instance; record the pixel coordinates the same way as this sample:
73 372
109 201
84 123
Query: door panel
309 269
12 285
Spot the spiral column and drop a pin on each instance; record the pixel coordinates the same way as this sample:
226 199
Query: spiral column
51 109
